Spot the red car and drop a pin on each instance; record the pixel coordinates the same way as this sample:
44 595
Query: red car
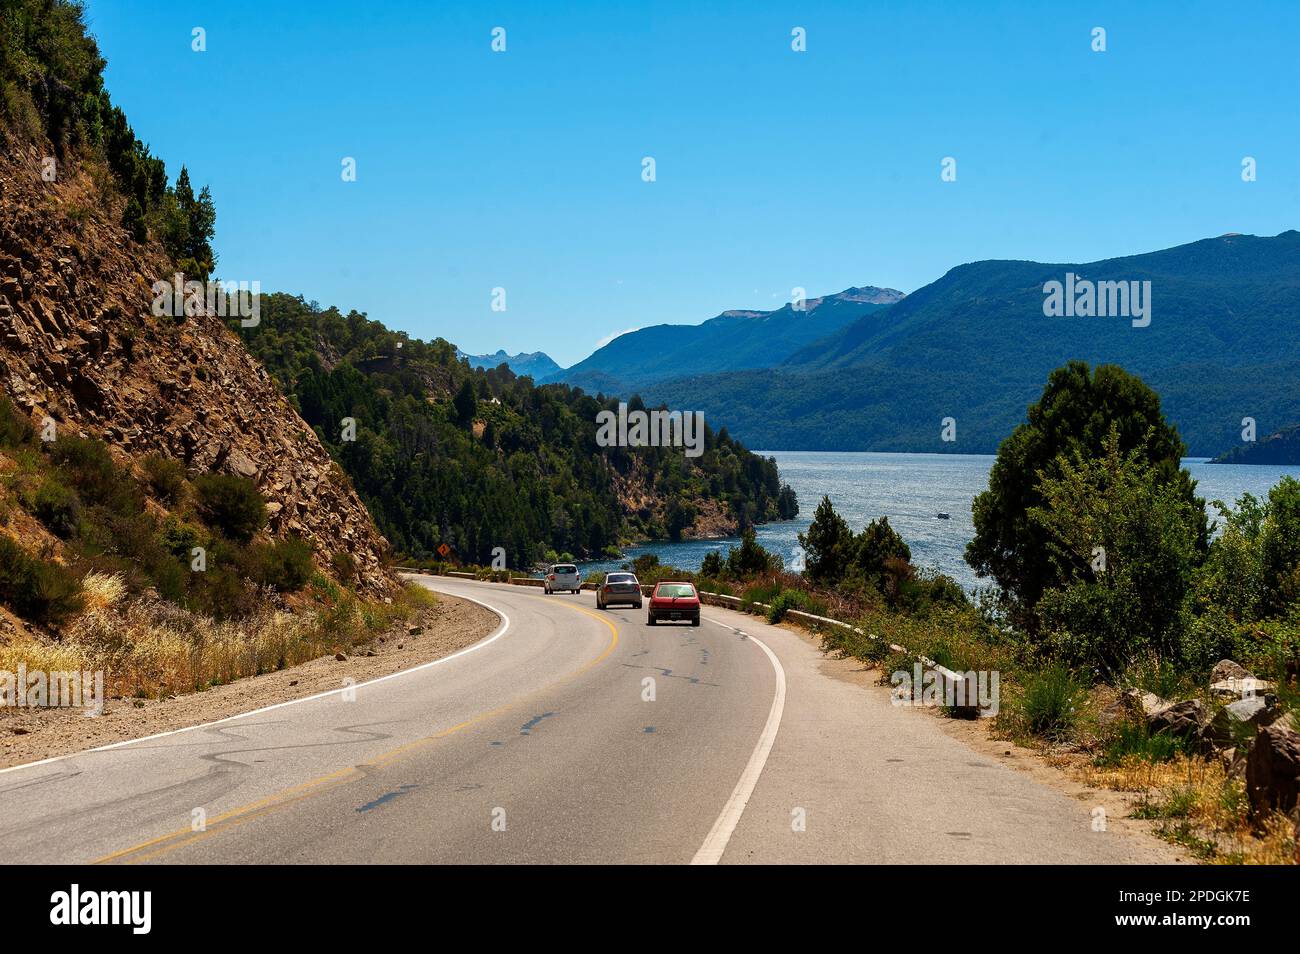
675 601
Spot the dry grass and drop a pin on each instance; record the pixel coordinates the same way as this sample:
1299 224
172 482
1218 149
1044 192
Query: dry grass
151 648
1197 803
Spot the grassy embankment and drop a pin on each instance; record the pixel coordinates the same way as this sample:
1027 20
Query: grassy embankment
100 568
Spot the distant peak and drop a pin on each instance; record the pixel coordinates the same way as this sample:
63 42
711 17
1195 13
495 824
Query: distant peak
871 295
864 294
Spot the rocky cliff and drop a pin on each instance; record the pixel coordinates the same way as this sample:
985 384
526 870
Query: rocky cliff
79 344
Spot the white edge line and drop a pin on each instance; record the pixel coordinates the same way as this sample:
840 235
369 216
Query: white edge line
500 631
715 844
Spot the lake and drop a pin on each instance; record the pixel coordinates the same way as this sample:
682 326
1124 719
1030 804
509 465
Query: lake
910 489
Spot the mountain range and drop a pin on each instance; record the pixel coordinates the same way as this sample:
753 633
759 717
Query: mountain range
732 341
536 364
976 345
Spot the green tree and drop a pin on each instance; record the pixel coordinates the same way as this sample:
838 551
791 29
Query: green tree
466 403
711 565
750 558
1232 577
828 545
1073 416
679 517
1120 555
133 220
1280 545
190 227
876 546
787 504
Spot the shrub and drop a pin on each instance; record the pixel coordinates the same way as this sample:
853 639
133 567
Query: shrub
1231 579
759 593
179 538
38 591
172 580
221 591
788 600
15 428
344 566
230 504
285 565
1160 676
87 465
783 603
56 506
1132 739
416 598
165 477
924 590
1049 707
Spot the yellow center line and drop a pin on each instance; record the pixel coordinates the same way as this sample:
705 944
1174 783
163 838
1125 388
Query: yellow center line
297 793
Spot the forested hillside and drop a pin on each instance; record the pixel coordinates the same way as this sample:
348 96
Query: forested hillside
476 459
1280 447
975 345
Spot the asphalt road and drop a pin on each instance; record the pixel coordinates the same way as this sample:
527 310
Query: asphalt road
568 736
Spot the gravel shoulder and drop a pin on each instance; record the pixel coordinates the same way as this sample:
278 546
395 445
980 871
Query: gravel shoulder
977 736
29 735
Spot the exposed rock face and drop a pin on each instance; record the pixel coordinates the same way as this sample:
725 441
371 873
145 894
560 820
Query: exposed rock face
79 344
639 498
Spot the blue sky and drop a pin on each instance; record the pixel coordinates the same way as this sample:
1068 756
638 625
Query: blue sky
775 169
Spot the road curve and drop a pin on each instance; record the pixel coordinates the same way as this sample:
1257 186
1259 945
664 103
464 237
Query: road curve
544 743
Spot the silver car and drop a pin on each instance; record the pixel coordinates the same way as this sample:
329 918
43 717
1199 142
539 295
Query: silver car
562 577
622 588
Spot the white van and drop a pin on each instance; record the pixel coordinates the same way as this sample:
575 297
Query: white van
562 577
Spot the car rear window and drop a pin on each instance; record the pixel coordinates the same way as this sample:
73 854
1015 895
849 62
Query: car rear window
566 568
620 578
675 589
